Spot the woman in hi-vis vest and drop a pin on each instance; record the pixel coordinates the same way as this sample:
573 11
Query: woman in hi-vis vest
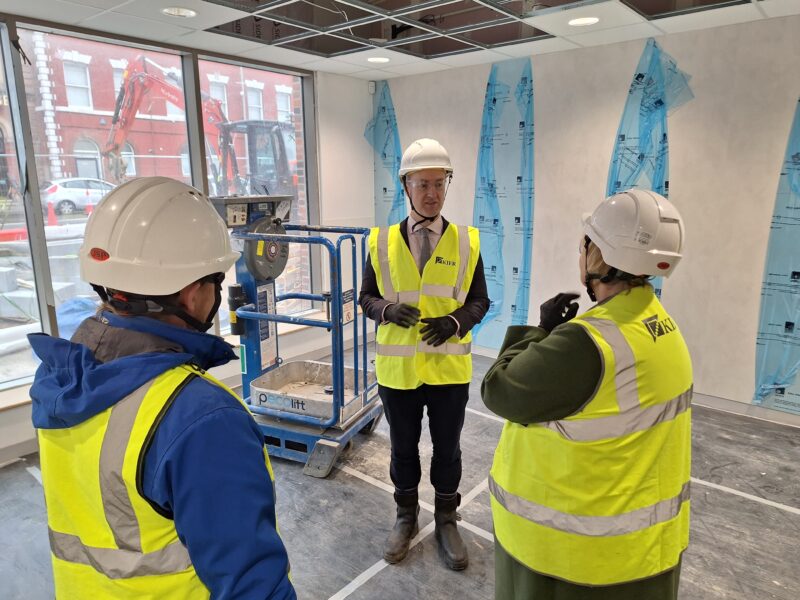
156 478
424 285
590 481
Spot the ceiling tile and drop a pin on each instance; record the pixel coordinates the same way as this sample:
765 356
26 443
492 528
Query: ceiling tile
329 65
727 15
471 58
780 8
538 47
374 75
114 22
618 34
208 15
418 67
360 58
67 12
215 42
611 13
104 4
279 56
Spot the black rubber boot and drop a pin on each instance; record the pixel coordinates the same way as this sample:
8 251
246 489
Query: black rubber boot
451 546
405 528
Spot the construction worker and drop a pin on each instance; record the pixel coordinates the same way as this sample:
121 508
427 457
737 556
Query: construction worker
155 475
590 481
424 285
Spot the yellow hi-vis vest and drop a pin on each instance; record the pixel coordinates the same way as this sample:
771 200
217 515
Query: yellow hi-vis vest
403 361
602 497
106 539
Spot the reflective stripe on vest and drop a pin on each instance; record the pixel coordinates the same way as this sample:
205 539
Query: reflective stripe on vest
603 526
411 350
118 563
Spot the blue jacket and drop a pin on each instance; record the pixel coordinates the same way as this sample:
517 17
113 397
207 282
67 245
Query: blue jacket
205 465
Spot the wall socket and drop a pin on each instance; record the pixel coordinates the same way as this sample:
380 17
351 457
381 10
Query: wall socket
371 87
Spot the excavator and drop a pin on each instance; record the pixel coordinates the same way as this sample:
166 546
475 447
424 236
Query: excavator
265 141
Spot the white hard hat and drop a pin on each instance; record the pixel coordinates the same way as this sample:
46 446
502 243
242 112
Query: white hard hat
423 154
638 231
153 236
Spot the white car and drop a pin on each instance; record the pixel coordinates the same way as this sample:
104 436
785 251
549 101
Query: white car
73 193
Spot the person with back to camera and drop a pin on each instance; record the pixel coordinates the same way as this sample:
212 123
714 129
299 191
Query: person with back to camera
156 478
590 481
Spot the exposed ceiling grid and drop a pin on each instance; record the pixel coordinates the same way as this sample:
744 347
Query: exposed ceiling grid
417 36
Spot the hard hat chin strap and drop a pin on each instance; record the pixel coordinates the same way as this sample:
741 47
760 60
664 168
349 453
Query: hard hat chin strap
138 305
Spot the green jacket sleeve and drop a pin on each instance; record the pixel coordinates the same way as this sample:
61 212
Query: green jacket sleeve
539 377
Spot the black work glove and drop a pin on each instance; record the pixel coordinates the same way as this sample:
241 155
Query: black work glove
438 330
402 315
559 309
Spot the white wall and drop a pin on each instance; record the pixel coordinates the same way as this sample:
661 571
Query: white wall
726 149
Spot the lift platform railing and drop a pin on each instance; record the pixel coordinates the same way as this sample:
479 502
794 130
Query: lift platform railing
333 325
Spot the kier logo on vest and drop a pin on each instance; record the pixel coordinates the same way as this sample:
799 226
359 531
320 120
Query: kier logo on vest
445 262
658 328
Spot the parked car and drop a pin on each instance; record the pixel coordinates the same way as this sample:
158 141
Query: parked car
73 193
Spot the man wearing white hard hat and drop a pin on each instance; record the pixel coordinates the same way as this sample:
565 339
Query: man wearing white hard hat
590 481
156 478
424 285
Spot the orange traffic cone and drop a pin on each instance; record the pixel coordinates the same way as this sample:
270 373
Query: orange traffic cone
89 209
51 214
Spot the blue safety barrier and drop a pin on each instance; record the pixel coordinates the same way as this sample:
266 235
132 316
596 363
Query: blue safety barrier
641 150
778 340
503 209
383 136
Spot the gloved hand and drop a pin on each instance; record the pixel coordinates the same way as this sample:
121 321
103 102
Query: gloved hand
402 315
559 309
438 330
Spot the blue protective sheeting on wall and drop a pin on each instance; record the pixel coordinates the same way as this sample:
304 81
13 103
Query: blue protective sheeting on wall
383 136
504 197
778 341
641 150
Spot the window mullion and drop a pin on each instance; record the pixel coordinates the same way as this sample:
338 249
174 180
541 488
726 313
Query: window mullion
29 180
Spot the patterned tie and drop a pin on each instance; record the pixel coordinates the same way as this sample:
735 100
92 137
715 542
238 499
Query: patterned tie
424 248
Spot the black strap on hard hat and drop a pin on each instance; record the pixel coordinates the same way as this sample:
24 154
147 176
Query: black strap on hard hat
613 272
140 305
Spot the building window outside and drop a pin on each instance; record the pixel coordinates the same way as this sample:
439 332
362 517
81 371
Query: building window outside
255 103
219 91
87 159
76 80
186 163
283 103
118 74
129 157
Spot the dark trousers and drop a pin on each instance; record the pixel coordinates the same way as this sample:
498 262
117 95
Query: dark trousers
403 410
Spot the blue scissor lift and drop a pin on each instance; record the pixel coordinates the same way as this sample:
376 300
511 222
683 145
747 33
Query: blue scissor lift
307 410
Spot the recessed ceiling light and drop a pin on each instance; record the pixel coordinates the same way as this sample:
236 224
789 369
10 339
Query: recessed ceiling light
179 11
583 21
378 59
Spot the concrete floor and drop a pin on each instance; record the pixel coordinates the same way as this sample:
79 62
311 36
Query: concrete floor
745 518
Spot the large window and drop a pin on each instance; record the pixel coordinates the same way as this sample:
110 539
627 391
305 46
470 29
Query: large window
266 153
81 155
82 149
